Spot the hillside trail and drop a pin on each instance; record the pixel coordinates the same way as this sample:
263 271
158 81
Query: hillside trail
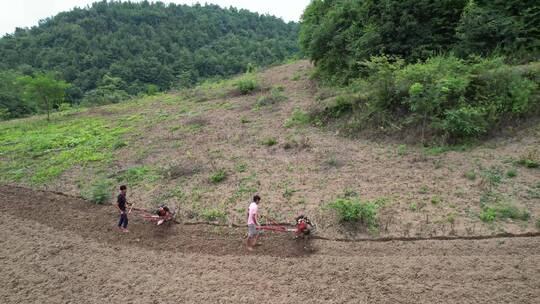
61 249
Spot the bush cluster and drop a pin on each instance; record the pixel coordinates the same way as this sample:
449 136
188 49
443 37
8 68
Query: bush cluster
352 210
444 97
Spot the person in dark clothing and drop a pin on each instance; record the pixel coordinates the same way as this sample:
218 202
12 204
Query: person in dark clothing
121 204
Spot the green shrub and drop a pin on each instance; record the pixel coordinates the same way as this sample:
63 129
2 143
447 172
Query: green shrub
99 192
470 175
445 97
213 215
218 176
511 173
270 141
247 84
298 118
435 200
502 211
355 211
465 121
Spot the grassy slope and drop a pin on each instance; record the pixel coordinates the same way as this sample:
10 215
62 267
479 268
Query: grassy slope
168 147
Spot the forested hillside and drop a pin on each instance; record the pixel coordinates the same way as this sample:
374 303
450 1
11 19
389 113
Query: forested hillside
111 50
450 70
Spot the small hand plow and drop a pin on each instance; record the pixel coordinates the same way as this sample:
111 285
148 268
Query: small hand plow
302 227
151 217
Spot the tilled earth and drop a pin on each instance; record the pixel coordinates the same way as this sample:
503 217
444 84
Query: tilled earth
60 249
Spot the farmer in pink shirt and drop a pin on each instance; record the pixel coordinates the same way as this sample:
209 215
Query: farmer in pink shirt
253 216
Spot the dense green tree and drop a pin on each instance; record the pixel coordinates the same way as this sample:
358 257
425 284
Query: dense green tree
340 35
44 90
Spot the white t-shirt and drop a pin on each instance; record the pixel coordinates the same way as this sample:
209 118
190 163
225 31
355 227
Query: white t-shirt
253 209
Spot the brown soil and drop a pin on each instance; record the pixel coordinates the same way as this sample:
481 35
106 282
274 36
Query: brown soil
60 249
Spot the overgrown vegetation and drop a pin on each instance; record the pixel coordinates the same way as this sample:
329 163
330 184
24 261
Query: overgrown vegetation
111 50
38 152
247 84
444 98
502 211
447 85
218 176
354 210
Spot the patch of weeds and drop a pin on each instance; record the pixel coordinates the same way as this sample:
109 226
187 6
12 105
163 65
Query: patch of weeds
288 193
244 120
296 76
240 167
355 211
136 175
296 142
298 118
275 96
119 144
470 175
413 207
534 192
402 150
531 159
247 185
460 192
175 171
511 173
270 141
492 177
218 176
349 192
502 211
99 192
333 162
451 218
39 152
247 84
423 189
436 200
213 215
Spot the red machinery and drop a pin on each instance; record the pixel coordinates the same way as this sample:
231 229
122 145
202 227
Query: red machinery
302 226
163 215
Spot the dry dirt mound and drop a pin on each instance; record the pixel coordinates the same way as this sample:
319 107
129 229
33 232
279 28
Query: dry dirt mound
58 249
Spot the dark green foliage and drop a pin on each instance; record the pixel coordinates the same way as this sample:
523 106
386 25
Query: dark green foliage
44 90
113 49
339 35
443 97
509 27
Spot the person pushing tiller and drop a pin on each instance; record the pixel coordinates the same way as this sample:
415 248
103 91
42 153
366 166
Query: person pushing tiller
121 204
161 215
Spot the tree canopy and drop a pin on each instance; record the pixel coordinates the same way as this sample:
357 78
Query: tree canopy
338 35
124 48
